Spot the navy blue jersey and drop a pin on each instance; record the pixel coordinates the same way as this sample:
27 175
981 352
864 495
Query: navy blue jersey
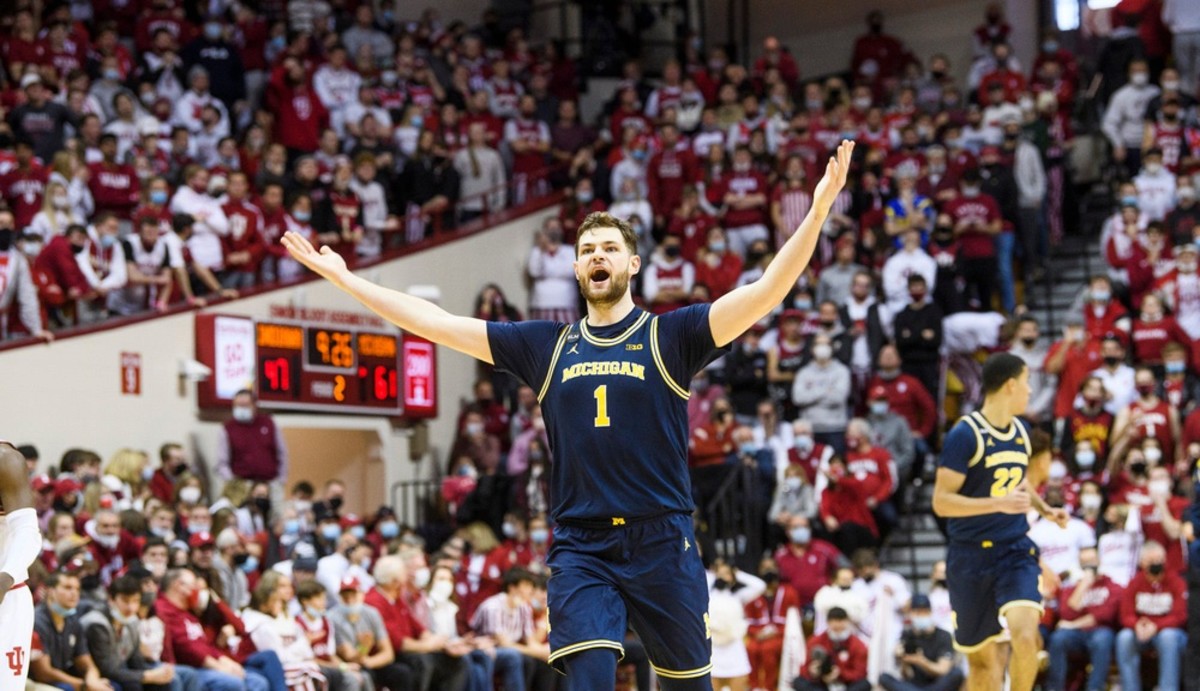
994 462
614 399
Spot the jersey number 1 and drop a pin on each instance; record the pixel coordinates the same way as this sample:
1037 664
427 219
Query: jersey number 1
601 396
1006 480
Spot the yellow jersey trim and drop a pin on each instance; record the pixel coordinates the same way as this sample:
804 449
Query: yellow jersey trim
1021 603
979 449
662 368
562 339
586 645
980 646
1000 436
684 674
1025 436
624 335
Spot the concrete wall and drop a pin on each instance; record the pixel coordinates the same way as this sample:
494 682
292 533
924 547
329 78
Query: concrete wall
68 393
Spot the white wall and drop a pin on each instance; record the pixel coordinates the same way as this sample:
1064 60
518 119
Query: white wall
68 393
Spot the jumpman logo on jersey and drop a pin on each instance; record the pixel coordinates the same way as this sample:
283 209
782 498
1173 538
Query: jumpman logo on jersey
686 545
574 350
991 443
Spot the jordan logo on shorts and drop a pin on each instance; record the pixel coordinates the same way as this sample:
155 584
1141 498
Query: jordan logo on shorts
16 660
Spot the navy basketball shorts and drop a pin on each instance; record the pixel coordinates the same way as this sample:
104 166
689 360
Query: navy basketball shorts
647 575
987 580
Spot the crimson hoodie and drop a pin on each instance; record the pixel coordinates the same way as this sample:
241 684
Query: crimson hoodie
850 656
1163 602
1102 601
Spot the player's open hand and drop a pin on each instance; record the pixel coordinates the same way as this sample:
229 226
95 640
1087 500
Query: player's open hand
835 176
325 263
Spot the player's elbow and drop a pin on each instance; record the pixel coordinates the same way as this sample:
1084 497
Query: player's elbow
939 504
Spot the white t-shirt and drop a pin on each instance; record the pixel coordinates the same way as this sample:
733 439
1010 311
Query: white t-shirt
1060 548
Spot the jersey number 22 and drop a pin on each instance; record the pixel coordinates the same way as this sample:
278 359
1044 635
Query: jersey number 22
1006 480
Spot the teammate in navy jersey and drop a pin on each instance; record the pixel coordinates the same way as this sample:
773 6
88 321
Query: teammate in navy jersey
614 390
992 568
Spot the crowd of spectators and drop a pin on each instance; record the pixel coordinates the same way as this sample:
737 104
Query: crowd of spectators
355 128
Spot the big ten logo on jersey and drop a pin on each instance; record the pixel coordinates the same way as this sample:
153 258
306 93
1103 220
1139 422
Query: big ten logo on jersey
16 660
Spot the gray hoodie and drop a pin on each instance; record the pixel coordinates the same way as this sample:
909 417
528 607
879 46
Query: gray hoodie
821 392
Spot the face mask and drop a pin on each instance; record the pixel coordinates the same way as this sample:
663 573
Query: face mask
1050 46
1090 502
1153 455
61 201
862 103
61 611
302 216
1145 390
1154 168
539 536
1057 470
291 526
822 351
468 471
354 610
1175 367
389 530
1137 467
331 531
358 531
1155 569
243 414
721 584
802 304
165 533
1085 459
212 31
31 248
1186 194
717 246
107 241
672 251
108 541
803 443
122 619
189 495
250 565
335 503
158 197
800 536
879 407
1101 295
148 98
509 530
76 249
1112 360
1140 78
1159 488
838 637
441 591
421 577
922 623
1187 267
199 599
583 196
794 483
970 192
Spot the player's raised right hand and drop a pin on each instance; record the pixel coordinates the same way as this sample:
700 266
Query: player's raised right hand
1017 501
325 263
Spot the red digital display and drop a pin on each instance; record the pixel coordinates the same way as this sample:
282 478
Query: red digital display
301 366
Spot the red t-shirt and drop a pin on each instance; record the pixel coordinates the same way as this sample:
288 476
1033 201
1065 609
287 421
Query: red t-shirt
397 618
981 210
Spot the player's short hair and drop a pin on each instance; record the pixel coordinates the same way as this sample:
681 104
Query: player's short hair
600 219
999 369
308 590
837 614
125 585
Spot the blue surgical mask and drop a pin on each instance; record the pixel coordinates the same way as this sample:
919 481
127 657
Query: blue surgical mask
1131 200
250 565
583 196
717 246
922 623
313 612
358 531
107 241
212 31
1175 367
302 216
331 531
417 121
147 474
62 611
800 536
509 530
879 407
291 526
802 304
112 75
747 449
158 197
1085 459
539 535
389 530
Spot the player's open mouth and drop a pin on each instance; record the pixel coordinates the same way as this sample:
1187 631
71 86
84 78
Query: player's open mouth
599 275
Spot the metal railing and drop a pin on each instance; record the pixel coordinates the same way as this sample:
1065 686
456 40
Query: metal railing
733 522
418 502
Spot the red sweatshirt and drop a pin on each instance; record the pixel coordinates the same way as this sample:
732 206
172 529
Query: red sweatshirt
1163 602
846 501
1098 325
1150 337
57 260
23 190
300 117
185 635
850 656
397 618
908 398
244 222
723 277
772 610
115 187
871 467
1102 600
809 570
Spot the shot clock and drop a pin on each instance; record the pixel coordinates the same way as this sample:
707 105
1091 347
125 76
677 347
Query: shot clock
317 367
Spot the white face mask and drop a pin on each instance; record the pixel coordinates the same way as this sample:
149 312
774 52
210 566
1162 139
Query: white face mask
1140 78
1058 470
441 591
822 351
421 577
1152 455
1090 502
189 495
107 541
243 413
1160 488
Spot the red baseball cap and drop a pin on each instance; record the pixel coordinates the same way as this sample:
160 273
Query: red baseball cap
877 392
67 485
202 539
350 520
41 483
791 314
349 583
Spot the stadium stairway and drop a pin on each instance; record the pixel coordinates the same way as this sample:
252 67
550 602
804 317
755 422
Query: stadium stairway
917 543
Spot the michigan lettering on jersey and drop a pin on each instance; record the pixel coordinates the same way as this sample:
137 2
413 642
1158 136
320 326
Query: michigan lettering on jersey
995 458
613 367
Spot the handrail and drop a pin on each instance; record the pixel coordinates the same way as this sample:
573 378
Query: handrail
410 501
442 234
734 519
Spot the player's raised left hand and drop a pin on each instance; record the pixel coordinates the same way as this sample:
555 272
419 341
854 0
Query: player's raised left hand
835 176
326 263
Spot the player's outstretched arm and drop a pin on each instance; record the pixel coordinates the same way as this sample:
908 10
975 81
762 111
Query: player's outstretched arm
421 317
23 538
737 310
948 503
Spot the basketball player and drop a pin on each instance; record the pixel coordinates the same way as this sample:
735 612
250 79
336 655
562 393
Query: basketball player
992 568
20 544
614 388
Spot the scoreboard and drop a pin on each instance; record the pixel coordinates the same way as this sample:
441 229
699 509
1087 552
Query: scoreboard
298 365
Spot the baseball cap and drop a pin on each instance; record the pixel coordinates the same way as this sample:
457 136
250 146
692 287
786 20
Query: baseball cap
350 520
41 483
67 485
349 583
304 564
877 392
201 539
920 602
1186 247
791 314
29 80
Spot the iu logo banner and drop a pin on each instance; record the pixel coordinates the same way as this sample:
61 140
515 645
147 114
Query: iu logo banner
16 660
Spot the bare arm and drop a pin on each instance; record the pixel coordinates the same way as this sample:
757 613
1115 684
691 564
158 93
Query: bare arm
421 317
737 310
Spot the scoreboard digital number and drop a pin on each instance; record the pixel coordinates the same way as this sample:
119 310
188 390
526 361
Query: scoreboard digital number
300 366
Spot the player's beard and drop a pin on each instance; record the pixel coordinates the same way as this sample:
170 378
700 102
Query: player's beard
618 285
